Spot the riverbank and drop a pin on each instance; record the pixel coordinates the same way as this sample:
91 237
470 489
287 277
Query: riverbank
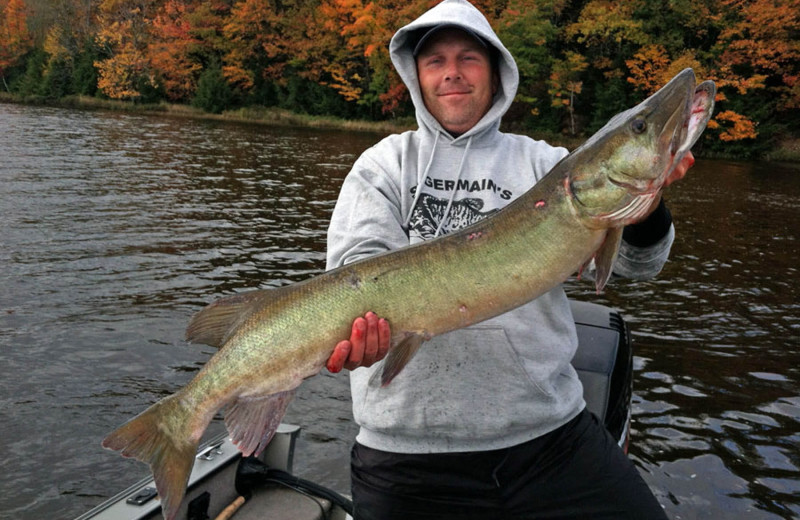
261 115
256 114
788 150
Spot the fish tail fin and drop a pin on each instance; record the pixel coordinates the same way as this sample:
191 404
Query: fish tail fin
162 436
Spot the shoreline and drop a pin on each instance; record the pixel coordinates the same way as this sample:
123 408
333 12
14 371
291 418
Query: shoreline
269 116
253 114
788 150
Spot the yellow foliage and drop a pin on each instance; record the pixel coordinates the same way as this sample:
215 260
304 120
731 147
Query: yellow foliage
117 75
53 44
347 89
604 22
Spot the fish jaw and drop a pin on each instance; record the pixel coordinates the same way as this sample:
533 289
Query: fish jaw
618 173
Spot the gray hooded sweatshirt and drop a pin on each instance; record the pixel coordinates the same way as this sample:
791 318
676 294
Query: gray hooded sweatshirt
506 380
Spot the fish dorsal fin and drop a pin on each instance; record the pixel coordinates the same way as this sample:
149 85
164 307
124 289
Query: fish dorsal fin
398 358
605 256
252 421
215 323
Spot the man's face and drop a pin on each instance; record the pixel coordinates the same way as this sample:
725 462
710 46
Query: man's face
456 79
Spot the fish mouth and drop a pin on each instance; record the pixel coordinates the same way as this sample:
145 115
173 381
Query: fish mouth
632 186
680 129
700 107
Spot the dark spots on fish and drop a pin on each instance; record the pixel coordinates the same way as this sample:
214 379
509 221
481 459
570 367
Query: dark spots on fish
354 280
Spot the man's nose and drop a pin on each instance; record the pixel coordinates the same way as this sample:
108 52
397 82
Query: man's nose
453 71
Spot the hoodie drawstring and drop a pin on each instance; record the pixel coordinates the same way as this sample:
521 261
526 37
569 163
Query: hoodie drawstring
422 179
455 187
420 182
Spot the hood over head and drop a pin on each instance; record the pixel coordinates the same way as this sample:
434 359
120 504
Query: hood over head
462 14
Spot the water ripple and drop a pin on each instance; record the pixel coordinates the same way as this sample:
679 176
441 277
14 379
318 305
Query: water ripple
116 228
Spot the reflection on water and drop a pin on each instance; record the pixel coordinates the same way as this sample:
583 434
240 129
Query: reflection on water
717 343
116 228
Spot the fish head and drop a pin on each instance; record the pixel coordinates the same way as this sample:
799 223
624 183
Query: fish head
614 177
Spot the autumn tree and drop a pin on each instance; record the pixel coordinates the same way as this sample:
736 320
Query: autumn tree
359 68
652 67
15 39
763 39
169 51
579 61
69 46
605 28
259 47
125 35
530 30
758 72
565 84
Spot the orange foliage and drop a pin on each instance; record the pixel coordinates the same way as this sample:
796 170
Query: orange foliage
735 126
651 68
15 39
343 45
253 29
118 76
346 85
170 48
761 42
366 29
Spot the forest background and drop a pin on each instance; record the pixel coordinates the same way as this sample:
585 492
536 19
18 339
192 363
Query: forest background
580 61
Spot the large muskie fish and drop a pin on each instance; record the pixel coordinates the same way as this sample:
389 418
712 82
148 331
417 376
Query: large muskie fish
273 339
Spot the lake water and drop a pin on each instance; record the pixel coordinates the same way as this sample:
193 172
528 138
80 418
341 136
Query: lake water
116 228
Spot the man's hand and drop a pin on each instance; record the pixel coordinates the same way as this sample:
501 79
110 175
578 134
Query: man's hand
368 344
680 169
677 174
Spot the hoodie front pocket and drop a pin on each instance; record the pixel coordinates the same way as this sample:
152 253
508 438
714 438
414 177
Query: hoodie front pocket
470 382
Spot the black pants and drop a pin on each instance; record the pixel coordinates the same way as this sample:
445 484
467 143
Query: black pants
577 471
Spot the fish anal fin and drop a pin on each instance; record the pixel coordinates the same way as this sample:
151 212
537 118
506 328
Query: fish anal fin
605 257
214 324
252 421
399 356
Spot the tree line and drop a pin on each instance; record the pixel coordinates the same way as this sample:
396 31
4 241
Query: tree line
580 61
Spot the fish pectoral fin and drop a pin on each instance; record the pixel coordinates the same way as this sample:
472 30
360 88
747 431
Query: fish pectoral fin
398 357
252 421
605 257
214 323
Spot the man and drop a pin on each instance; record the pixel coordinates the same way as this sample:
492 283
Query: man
487 421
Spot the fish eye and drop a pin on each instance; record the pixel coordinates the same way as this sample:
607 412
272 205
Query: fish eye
638 125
